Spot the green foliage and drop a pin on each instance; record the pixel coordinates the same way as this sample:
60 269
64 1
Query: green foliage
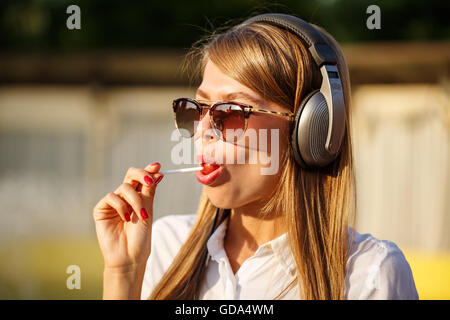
108 24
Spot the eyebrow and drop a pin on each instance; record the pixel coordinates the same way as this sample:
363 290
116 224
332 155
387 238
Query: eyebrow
232 96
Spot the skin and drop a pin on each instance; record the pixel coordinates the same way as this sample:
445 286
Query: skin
245 230
125 245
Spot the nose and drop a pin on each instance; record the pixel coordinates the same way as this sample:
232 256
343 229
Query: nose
204 129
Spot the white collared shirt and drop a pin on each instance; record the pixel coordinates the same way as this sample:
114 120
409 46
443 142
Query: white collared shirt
376 269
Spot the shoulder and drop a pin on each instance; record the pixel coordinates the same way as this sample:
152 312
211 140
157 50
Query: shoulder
377 269
170 232
180 224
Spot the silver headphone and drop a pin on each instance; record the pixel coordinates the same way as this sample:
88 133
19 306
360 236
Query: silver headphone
319 124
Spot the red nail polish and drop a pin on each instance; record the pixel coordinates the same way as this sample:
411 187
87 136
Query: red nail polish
148 180
144 214
127 217
159 179
154 163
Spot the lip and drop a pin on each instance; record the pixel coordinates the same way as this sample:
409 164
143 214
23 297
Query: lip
209 178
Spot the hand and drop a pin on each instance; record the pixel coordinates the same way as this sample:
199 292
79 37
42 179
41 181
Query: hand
123 220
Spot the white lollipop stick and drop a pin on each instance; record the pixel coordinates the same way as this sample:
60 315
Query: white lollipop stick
181 170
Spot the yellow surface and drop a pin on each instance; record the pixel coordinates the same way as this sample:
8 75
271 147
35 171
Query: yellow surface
431 273
37 270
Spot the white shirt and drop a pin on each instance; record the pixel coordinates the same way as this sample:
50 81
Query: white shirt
376 269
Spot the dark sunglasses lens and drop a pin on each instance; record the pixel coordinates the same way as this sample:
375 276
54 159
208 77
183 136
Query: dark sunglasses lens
229 119
186 115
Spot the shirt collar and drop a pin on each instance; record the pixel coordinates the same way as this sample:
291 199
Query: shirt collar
278 246
215 242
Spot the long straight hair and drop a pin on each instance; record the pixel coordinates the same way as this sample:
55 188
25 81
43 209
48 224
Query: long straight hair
318 205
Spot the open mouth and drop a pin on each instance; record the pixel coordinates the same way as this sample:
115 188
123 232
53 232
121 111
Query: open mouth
210 171
209 168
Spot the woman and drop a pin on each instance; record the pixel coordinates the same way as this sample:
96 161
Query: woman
280 235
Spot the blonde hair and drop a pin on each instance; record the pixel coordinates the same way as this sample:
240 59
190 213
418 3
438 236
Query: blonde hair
318 204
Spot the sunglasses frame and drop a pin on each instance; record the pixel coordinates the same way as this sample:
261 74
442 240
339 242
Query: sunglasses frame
246 109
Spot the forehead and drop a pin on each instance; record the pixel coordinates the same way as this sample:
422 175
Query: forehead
218 86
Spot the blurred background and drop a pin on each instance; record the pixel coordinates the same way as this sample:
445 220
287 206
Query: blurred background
79 107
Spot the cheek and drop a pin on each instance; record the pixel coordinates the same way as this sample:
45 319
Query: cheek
249 180
246 184
270 132
255 178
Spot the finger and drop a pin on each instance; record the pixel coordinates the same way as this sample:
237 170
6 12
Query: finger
133 198
121 207
149 190
153 168
135 176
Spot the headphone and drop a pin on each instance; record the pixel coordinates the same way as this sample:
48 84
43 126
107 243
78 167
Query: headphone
319 122
320 119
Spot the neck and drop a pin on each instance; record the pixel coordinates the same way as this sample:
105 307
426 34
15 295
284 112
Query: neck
246 229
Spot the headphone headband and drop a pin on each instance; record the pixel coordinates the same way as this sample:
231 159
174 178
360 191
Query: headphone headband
321 52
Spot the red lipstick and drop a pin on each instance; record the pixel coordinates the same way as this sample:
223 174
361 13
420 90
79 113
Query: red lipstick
211 171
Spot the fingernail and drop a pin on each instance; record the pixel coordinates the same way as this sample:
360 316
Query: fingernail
148 180
154 163
144 214
127 217
159 179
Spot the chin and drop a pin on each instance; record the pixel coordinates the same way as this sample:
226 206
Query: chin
221 198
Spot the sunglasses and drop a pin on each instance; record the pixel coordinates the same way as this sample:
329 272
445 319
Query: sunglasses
228 118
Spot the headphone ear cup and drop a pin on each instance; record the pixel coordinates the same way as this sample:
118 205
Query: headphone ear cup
295 132
310 132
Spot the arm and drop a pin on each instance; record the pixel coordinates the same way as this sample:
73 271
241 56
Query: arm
123 283
123 223
392 279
